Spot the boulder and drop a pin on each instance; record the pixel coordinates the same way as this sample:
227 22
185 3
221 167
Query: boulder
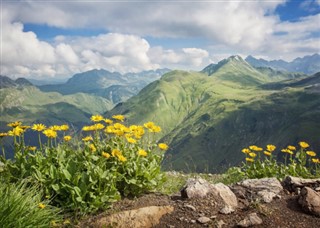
310 201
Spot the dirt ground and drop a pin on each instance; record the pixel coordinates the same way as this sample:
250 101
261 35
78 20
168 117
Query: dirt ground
283 212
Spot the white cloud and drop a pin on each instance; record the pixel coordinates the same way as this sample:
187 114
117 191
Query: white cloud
229 27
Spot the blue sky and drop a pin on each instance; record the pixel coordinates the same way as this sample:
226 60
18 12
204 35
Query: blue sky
47 39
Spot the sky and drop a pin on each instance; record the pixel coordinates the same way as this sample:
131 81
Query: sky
55 39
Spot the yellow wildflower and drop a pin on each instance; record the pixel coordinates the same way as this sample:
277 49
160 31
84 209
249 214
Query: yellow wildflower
38 127
67 138
50 133
122 158
155 129
64 127
14 124
88 138
291 147
245 150
287 151
267 153
106 155
271 148
98 126
249 159
41 205
3 134
17 131
108 121
253 155
255 148
109 129
311 153
149 125
32 148
304 144
315 160
118 117
116 152
87 128
142 152
24 127
163 146
97 118
55 128
131 140
92 147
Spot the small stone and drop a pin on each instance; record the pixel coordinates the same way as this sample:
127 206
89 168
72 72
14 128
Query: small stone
203 220
251 220
220 223
213 217
193 221
190 207
226 210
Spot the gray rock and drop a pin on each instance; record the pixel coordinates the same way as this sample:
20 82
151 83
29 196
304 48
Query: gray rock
310 201
294 184
203 220
196 188
190 207
228 197
265 188
251 220
226 210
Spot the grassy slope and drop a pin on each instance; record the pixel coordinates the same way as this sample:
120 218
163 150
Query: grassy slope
208 120
29 103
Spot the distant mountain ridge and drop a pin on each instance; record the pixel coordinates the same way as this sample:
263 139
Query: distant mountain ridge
308 64
6 82
110 85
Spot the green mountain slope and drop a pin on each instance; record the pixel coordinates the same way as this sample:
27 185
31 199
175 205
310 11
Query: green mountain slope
28 104
207 120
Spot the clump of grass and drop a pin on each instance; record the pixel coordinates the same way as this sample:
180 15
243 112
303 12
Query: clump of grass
22 206
299 161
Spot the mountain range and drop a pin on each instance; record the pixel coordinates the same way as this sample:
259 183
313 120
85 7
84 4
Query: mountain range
113 86
307 64
207 117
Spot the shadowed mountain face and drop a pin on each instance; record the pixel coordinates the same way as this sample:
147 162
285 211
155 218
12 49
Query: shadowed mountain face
208 117
307 64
